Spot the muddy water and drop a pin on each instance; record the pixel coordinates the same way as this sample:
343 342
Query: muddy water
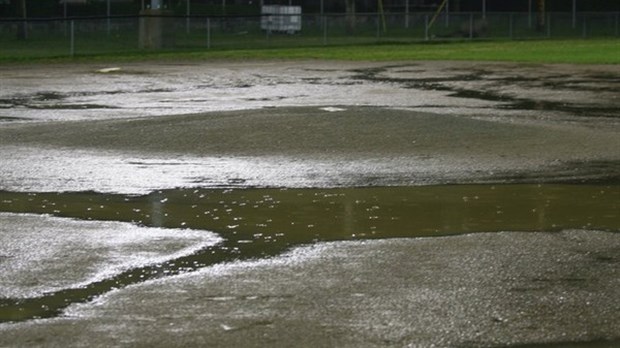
258 223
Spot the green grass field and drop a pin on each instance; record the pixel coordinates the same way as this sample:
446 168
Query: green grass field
604 51
591 51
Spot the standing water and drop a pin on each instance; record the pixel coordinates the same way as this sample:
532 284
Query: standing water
264 222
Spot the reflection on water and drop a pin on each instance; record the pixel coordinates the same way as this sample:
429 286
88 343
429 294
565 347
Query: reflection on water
264 222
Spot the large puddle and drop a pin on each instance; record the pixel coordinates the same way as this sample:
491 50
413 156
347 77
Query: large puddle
264 222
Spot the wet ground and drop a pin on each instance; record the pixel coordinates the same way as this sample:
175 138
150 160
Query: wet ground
310 203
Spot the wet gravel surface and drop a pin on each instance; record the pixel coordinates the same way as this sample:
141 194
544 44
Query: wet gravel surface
152 126
64 92
327 123
483 290
35 249
299 147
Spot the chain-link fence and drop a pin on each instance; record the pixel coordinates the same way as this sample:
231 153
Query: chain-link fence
129 34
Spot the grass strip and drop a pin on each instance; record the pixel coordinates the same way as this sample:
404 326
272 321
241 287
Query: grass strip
592 51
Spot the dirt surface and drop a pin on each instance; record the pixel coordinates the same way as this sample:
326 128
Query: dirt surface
484 290
528 92
318 124
149 127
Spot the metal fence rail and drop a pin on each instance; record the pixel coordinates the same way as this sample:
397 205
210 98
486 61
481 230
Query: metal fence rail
100 35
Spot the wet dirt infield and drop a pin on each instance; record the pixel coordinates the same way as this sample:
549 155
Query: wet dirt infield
310 203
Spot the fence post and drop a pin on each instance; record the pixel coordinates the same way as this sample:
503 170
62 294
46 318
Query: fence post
108 13
447 14
378 27
72 39
574 14
187 13
471 26
529 14
584 29
406 14
208 33
324 30
426 27
64 15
